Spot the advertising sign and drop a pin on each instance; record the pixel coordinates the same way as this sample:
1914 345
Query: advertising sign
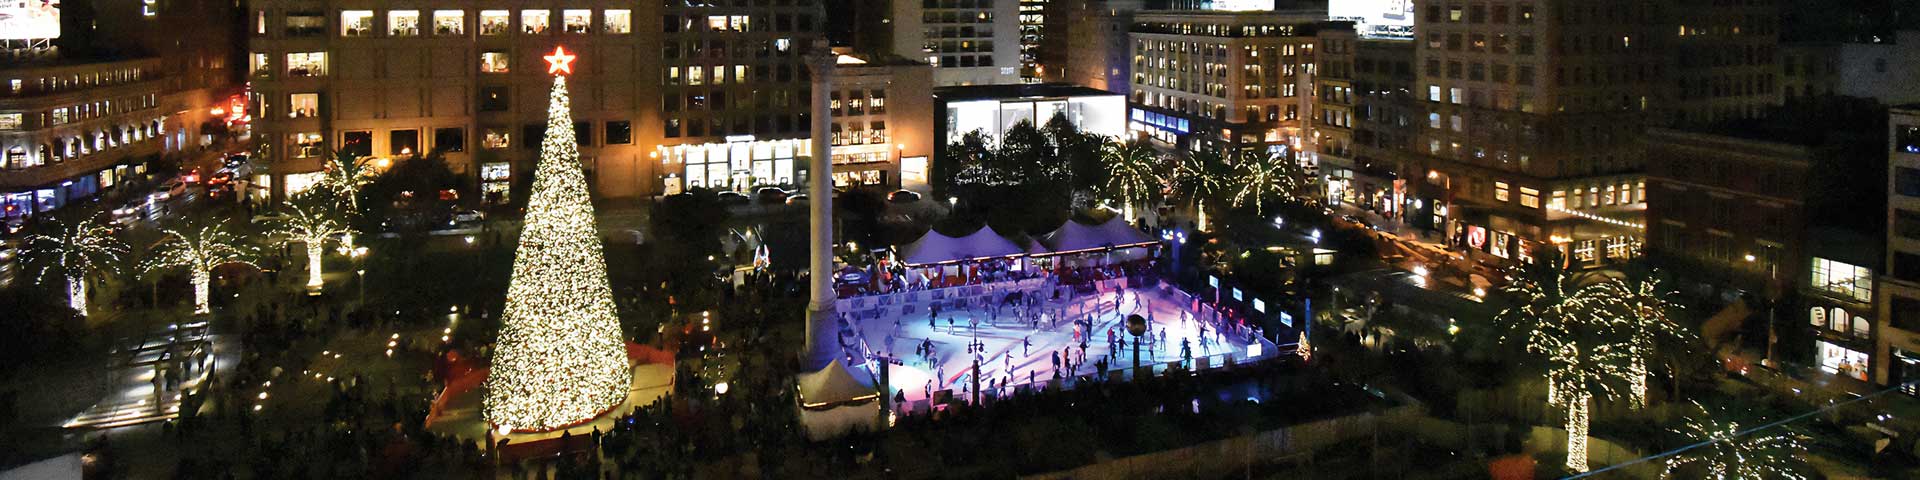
1375 18
29 19
1476 237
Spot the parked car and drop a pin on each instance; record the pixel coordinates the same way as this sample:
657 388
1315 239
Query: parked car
903 196
733 198
771 195
173 187
468 216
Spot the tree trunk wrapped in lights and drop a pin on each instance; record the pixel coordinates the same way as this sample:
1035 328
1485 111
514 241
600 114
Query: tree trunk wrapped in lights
200 251
560 360
74 251
1578 332
311 227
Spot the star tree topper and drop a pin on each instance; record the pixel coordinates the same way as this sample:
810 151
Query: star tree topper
560 62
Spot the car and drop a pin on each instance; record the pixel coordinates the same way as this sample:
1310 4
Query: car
771 195
733 198
172 188
797 199
468 216
903 196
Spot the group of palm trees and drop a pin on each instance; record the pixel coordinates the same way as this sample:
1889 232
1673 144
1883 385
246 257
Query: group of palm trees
1139 176
82 250
1596 336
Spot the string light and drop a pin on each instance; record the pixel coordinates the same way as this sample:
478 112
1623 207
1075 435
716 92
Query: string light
560 360
312 228
200 251
1262 176
1572 328
1763 456
73 252
1597 218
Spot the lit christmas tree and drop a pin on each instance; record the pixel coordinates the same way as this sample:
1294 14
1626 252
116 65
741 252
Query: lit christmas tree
560 360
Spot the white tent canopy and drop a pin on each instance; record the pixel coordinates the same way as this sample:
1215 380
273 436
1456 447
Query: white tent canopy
833 403
934 248
833 384
1077 237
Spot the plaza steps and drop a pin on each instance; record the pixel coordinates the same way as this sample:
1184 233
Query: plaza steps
132 400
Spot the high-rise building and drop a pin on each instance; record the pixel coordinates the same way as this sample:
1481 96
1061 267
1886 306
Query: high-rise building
1227 80
1533 116
666 97
1723 60
1090 47
87 101
1897 346
1384 109
968 42
1329 143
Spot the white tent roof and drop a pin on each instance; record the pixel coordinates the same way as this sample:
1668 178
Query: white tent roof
831 385
1075 236
936 248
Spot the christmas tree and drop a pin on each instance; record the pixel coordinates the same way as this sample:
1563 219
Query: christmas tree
560 360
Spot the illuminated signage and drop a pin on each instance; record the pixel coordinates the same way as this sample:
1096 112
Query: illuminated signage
1213 281
1260 305
29 19
1375 18
1237 295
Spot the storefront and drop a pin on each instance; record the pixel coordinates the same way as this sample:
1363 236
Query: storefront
1840 360
738 164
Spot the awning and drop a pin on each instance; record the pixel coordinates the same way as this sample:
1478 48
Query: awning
933 248
1074 237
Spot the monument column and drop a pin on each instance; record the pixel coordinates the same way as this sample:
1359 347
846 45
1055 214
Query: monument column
822 331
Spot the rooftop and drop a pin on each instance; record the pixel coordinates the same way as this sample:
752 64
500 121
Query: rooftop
1027 90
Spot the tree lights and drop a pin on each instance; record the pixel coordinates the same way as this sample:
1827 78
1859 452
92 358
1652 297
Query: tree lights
200 251
73 252
1724 455
1133 173
1264 176
1201 177
1643 315
312 228
559 360
1575 330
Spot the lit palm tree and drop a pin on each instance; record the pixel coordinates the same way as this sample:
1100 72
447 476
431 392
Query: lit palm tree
200 251
345 175
1727 456
313 228
1133 174
1268 176
1201 177
1644 305
1574 329
75 251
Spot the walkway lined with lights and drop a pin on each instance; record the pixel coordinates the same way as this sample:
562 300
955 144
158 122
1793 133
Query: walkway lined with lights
132 397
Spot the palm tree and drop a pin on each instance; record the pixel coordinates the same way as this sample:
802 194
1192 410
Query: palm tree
1726 456
75 251
313 228
1644 305
1133 174
1201 177
1575 330
1268 176
201 250
345 174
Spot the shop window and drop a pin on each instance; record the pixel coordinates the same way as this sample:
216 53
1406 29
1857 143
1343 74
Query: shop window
450 139
356 23
1840 360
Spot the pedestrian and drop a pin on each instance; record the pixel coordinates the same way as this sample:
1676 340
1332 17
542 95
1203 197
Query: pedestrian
1026 345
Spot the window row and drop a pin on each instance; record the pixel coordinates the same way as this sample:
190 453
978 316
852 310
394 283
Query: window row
777 124
76 146
55 83
1500 13
406 142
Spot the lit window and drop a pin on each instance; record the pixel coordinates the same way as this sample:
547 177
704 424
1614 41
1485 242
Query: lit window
1500 191
577 21
307 145
495 22
1845 280
356 23
493 62
1529 198
534 22
307 64
403 23
619 22
257 63
302 105
449 22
